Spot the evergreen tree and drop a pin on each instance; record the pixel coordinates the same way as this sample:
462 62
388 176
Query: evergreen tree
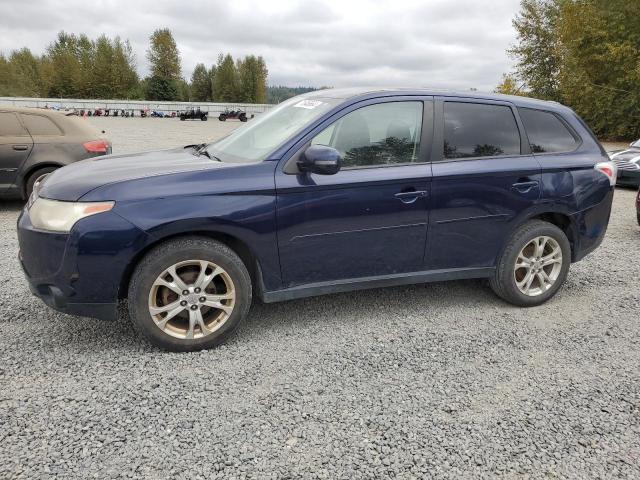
124 78
25 73
226 80
537 51
164 60
252 74
201 84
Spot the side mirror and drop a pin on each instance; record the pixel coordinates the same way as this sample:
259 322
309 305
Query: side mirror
320 159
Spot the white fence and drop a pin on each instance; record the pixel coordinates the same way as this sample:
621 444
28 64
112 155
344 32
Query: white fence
137 105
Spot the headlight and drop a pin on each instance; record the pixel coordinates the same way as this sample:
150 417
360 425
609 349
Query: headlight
59 216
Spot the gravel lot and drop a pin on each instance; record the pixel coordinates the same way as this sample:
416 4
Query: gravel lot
439 380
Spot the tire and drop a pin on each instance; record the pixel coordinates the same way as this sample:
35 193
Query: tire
243 118
34 177
504 282
222 117
144 290
204 118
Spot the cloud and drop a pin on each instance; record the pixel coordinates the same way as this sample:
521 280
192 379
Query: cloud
316 42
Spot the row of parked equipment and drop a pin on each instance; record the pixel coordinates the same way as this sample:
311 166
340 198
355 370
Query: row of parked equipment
192 114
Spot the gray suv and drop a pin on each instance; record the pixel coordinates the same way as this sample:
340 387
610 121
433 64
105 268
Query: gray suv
35 142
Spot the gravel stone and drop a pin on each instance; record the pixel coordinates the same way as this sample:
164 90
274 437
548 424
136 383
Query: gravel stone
440 380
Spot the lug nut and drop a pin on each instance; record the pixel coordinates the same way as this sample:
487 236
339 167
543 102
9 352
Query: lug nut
183 303
185 292
203 299
197 290
194 307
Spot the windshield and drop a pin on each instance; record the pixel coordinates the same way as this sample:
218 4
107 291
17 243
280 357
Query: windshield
636 144
261 136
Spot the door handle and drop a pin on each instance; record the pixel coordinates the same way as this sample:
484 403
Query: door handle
524 187
410 196
21 148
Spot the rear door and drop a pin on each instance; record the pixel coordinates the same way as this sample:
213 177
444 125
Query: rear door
15 147
369 219
484 176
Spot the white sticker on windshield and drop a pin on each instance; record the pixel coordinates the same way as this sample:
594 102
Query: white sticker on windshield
308 104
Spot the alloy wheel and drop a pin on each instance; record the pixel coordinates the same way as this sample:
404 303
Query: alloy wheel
192 299
538 266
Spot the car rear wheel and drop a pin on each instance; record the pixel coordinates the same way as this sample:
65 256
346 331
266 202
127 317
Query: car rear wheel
533 265
222 117
36 177
189 294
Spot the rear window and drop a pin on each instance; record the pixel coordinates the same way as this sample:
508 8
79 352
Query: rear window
479 130
10 126
546 132
39 125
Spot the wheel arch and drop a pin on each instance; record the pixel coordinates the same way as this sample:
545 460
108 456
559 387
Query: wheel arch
240 247
24 178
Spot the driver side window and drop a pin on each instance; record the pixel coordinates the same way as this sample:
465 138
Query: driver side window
382 134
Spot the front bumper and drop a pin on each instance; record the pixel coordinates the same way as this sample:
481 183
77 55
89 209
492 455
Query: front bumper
80 273
628 178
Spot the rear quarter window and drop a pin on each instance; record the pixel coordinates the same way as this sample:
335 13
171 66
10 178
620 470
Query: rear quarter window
40 125
10 126
546 132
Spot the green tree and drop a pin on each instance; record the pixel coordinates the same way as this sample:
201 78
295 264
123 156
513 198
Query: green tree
163 55
212 79
164 60
124 79
161 89
226 85
252 74
509 85
65 66
101 73
25 73
201 84
537 52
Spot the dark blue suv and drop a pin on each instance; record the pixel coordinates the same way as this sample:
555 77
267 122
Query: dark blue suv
331 191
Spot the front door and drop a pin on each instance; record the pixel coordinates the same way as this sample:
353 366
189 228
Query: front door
369 219
484 177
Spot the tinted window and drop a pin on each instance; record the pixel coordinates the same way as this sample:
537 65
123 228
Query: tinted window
10 126
39 125
479 130
382 134
546 132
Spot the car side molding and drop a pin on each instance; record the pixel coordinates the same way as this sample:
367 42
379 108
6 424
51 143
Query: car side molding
393 280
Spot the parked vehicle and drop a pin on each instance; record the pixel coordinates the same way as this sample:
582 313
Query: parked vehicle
628 163
638 206
157 114
196 114
327 192
35 142
233 114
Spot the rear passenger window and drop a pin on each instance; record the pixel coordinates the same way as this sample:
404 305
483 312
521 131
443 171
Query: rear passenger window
10 126
479 130
39 125
546 132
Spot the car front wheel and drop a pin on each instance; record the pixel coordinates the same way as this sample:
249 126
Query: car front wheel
533 265
189 294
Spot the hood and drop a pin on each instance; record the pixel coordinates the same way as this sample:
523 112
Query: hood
77 179
629 155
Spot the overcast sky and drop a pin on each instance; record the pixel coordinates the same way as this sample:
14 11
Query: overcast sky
439 43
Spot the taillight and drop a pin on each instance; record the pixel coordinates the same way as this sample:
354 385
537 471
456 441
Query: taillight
96 146
609 169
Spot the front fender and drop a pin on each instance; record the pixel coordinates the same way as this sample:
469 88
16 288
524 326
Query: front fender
249 218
